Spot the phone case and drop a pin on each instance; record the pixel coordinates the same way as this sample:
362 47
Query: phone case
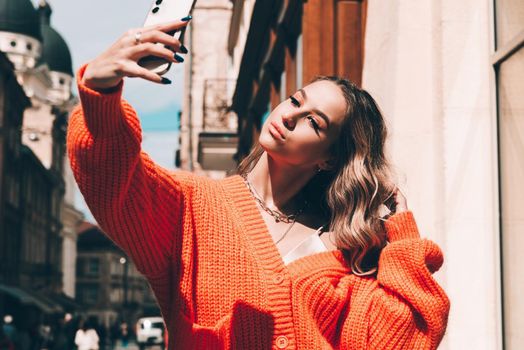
163 11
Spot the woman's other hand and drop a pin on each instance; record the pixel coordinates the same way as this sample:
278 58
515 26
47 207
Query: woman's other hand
121 59
401 203
397 203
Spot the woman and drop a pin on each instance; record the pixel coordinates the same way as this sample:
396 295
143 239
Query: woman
294 253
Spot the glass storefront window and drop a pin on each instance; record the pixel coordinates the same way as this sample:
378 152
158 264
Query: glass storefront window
511 145
510 20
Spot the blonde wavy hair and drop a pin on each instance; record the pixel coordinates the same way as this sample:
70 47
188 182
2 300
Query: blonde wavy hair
352 194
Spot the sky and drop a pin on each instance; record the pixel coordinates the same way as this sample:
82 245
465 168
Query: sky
89 28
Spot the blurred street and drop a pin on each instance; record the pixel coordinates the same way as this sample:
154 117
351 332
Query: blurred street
132 345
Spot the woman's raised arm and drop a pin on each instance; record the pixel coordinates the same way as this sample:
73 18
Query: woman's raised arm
136 202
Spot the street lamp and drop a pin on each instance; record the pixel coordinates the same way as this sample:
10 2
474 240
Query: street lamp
123 261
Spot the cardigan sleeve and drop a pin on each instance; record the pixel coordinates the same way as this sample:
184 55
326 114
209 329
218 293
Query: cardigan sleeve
408 302
137 203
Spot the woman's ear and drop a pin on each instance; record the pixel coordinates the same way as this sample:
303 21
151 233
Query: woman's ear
326 165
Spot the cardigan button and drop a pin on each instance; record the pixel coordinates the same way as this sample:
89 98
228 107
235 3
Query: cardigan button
278 278
282 342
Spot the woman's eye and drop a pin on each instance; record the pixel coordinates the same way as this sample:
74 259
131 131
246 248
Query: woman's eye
294 101
313 123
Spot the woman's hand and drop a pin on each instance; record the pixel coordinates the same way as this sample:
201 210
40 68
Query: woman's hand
397 203
120 60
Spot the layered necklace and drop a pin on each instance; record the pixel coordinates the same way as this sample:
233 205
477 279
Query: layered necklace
277 215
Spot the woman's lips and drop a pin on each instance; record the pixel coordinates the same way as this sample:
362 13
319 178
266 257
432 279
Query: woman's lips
276 130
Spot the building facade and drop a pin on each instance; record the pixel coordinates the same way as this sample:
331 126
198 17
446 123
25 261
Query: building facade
33 183
446 74
45 126
207 128
13 101
448 78
107 281
29 257
285 45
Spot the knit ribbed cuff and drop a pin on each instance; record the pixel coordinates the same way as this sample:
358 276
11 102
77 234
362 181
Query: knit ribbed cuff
401 226
102 109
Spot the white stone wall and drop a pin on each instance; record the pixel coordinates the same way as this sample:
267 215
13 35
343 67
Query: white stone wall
208 59
427 63
71 218
69 253
38 120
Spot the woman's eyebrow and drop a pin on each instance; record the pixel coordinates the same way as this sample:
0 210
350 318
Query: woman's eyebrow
319 112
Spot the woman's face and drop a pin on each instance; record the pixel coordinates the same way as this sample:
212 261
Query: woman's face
301 129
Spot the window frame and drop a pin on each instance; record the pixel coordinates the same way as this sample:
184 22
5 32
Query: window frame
499 55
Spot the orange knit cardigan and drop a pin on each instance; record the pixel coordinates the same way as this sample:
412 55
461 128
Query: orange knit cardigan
215 271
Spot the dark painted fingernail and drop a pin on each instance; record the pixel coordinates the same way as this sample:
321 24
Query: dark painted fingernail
158 2
183 49
187 18
155 10
179 58
165 81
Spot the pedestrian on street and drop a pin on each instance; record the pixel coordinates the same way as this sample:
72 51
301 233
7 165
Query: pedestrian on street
70 327
123 334
60 339
5 342
310 246
86 337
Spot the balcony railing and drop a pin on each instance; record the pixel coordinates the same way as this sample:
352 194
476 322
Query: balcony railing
217 100
217 144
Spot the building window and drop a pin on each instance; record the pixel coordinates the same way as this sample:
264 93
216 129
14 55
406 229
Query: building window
93 267
509 20
115 269
508 63
88 294
116 295
88 267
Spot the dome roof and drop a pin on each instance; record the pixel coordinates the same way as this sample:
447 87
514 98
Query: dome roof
55 51
19 16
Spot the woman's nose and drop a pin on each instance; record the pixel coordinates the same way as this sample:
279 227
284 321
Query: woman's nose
289 121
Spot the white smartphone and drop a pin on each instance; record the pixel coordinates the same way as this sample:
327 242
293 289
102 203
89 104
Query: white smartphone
163 11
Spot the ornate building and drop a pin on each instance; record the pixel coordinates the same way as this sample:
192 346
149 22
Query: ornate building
13 101
36 224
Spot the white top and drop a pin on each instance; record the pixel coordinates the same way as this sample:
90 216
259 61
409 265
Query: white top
87 340
311 245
